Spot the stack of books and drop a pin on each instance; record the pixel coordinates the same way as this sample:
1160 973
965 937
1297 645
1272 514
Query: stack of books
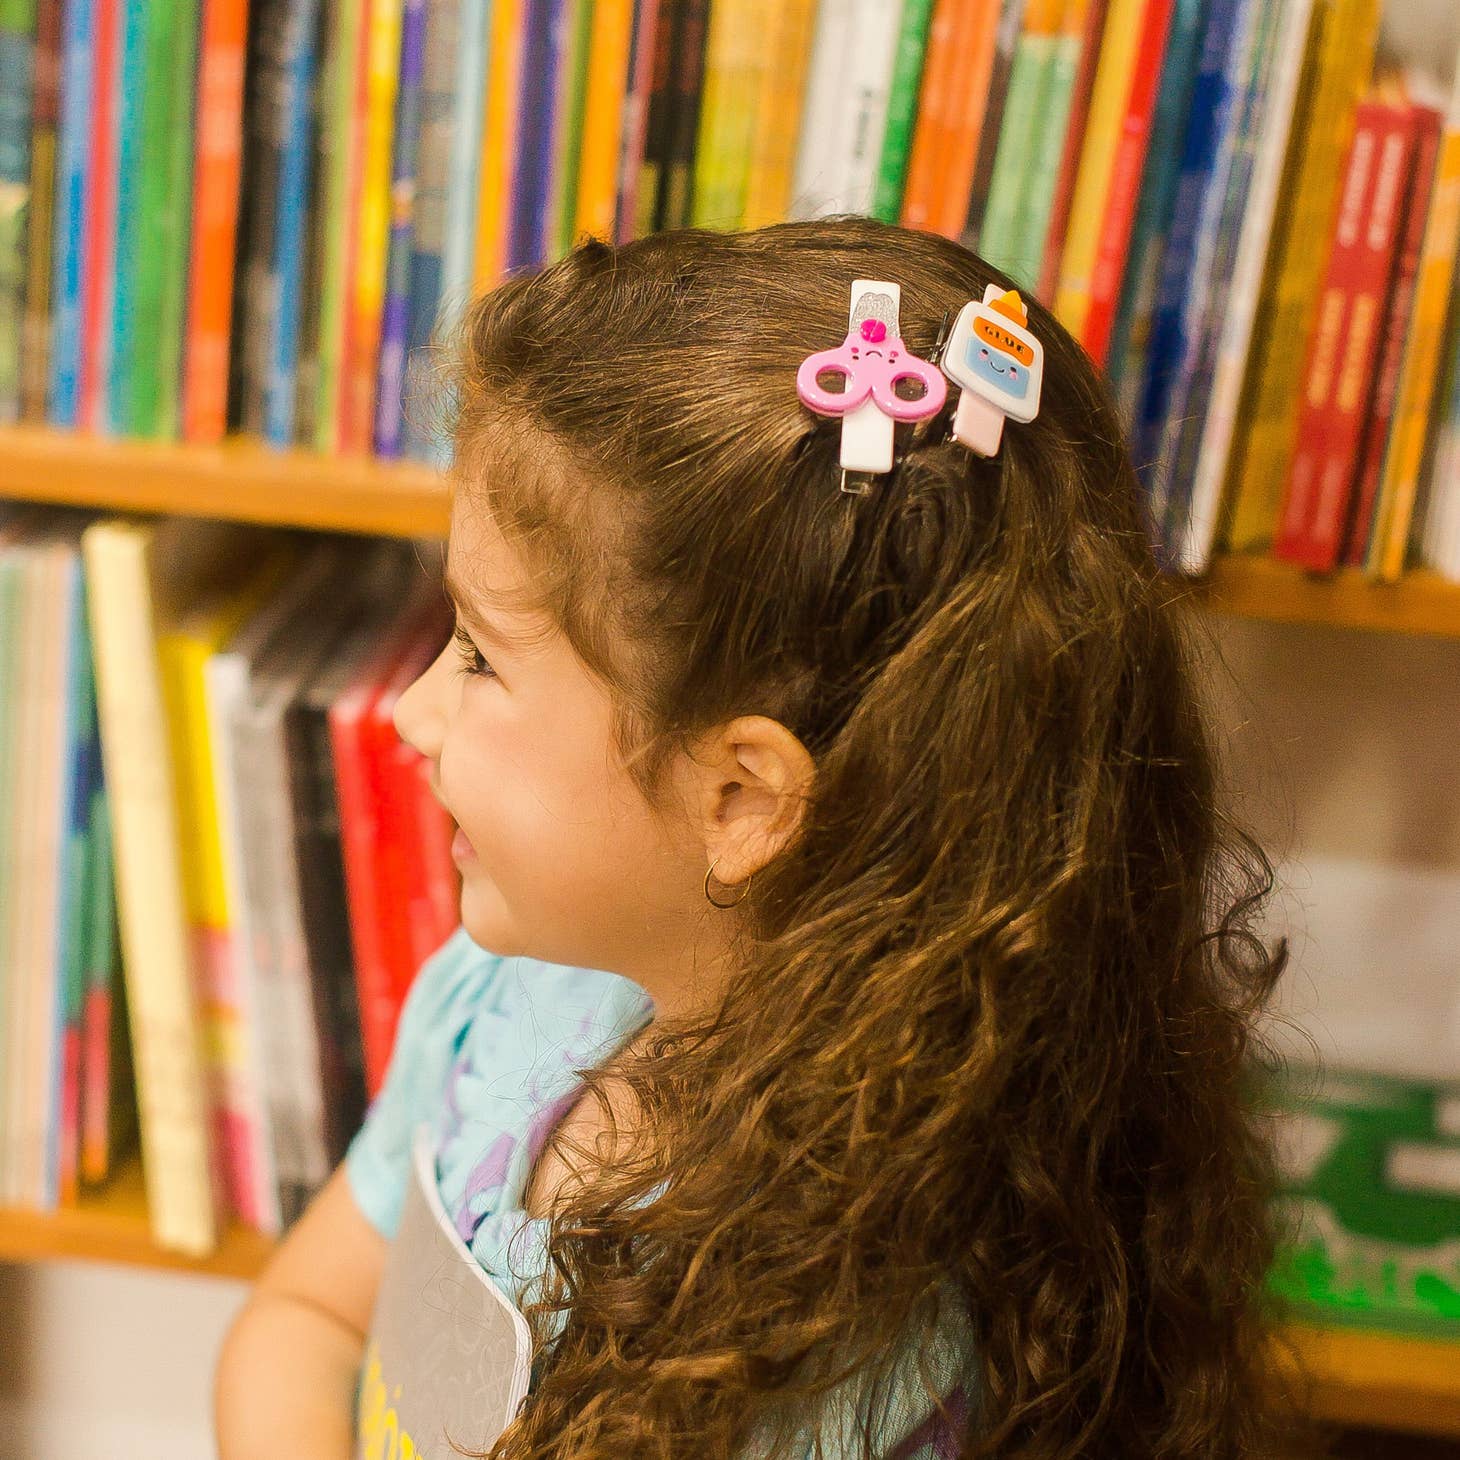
215 216
204 805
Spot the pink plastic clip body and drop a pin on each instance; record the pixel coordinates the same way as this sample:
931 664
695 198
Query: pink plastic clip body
872 360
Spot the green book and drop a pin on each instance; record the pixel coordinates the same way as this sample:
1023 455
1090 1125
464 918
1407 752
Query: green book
164 194
1031 219
17 76
902 109
574 80
1030 80
337 113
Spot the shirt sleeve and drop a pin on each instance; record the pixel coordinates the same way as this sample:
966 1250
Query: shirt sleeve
450 987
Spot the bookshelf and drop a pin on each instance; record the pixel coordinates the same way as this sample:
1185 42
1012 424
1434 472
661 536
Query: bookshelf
247 481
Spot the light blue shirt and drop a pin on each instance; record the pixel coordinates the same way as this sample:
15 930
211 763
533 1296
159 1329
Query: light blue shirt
485 1056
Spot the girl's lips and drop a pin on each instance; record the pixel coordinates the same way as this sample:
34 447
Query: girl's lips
461 849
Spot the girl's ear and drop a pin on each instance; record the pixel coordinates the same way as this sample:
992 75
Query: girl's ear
754 779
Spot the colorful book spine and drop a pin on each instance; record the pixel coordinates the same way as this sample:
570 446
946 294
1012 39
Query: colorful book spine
347 51
816 179
544 27
372 242
605 117
288 246
391 379
1413 414
499 144
935 98
1396 329
17 90
778 112
1006 38
870 87
35 342
568 137
686 91
1130 332
658 105
73 153
902 103
128 236
107 1112
98 261
1112 243
634 129
171 1086
1066 174
974 44
218 146
433 201
1243 317
468 99
1358 266
1030 80
1343 61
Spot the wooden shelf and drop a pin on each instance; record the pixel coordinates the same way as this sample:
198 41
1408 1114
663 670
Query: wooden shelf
111 1226
247 481
1249 586
1381 1380
239 479
1357 1377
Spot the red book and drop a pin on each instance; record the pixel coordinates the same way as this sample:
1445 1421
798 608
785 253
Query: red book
218 147
1064 188
1339 371
100 244
1375 435
639 88
1113 245
409 921
361 832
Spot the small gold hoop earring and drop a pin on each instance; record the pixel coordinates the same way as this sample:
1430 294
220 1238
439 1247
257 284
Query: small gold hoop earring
745 886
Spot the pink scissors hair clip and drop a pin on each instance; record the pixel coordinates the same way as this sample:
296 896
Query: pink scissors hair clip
871 361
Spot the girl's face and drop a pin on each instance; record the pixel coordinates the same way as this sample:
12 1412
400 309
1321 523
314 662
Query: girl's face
561 856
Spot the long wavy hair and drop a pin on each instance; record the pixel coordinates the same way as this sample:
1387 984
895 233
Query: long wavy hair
992 1024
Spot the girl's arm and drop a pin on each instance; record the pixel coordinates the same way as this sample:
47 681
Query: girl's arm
286 1377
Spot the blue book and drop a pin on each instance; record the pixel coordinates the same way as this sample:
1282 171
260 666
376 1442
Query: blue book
72 902
391 374
73 148
131 61
17 82
1131 328
544 35
463 168
1208 124
1187 419
300 61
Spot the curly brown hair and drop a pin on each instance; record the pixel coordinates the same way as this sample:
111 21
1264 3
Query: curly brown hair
993 1016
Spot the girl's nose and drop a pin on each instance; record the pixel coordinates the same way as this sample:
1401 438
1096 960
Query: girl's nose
419 714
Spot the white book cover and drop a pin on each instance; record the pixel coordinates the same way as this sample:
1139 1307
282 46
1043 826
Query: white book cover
821 154
869 83
1239 308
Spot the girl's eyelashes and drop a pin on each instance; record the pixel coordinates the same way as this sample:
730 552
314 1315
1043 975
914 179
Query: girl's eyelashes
472 661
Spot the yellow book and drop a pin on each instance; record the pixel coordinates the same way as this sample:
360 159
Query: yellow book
608 69
1108 100
499 125
140 574
771 164
373 246
1434 281
707 202
1343 42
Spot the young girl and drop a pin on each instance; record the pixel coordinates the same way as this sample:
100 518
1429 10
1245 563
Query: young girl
844 1048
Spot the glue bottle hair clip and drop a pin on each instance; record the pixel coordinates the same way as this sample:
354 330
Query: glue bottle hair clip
872 360
997 365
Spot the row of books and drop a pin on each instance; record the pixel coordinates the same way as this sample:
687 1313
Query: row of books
1243 215
201 783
